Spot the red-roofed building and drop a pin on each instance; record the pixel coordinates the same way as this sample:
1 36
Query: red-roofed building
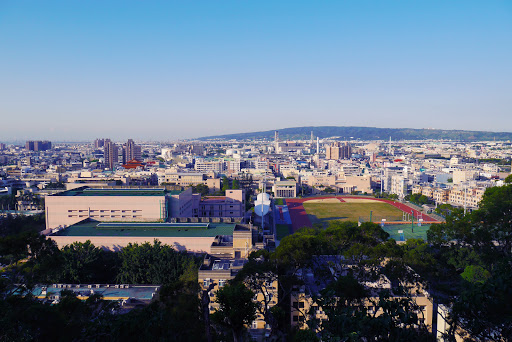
133 164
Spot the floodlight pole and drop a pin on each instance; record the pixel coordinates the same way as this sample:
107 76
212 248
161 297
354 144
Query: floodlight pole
412 221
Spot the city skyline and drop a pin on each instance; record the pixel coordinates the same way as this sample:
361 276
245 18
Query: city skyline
160 71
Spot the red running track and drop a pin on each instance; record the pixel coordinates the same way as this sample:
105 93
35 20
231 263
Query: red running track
297 212
300 218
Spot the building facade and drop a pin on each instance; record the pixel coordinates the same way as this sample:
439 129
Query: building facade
110 154
338 150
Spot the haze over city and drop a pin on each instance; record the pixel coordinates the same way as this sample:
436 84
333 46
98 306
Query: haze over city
160 71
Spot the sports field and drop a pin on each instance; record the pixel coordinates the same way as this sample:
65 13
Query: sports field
325 211
414 232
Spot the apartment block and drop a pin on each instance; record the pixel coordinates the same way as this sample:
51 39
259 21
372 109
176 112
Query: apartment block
38 145
110 154
131 151
466 197
338 150
207 166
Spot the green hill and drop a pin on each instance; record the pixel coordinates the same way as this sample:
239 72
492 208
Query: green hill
366 133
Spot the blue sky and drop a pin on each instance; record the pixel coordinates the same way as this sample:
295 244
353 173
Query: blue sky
76 70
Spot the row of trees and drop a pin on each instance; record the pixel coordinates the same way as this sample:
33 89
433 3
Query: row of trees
418 199
85 263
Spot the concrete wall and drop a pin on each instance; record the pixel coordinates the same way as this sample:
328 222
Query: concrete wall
115 243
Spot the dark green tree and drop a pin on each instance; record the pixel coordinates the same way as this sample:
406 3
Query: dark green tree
236 184
152 264
236 309
225 184
201 189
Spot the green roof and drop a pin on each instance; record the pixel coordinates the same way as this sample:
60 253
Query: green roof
85 191
145 229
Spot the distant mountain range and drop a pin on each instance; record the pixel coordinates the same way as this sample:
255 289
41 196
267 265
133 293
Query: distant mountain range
366 133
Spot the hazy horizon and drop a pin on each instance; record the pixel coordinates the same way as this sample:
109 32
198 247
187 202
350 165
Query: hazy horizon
75 71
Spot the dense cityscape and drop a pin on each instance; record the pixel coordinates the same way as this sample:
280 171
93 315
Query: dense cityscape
256 171
269 238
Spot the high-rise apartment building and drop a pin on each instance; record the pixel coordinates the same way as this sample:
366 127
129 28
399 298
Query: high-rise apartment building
110 154
131 151
99 143
338 151
38 145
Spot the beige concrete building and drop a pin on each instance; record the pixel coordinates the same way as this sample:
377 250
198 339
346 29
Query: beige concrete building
466 197
185 179
194 237
210 165
285 189
105 205
441 196
321 180
461 176
304 308
338 150
227 257
231 205
350 183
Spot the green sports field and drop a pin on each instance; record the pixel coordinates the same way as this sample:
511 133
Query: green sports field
324 212
409 232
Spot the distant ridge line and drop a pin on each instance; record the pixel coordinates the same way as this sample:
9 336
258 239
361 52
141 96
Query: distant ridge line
366 133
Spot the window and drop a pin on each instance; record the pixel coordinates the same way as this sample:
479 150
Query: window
295 318
295 305
222 282
301 305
